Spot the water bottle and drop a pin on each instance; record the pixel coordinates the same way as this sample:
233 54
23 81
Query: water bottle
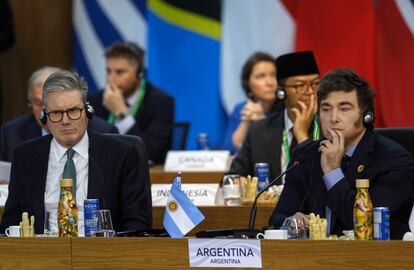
203 141
231 189
363 212
67 210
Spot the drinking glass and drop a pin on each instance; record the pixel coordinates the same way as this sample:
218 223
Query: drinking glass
105 224
295 227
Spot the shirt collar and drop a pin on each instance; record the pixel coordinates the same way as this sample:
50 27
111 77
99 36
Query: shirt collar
351 150
132 98
81 148
288 122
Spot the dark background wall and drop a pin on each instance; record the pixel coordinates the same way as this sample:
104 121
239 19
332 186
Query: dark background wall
43 37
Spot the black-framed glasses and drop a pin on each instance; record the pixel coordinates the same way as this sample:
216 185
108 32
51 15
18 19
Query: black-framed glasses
302 87
57 116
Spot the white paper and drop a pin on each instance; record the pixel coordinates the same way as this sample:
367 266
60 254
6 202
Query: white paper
225 253
199 194
5 168
197 161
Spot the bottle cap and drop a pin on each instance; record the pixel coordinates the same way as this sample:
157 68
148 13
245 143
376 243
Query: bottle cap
66 182
362 183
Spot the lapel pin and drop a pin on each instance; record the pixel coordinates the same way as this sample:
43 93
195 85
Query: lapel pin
360 168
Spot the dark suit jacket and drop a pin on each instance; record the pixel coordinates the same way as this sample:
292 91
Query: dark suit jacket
112 178
25 127
154 120
388 166
262 144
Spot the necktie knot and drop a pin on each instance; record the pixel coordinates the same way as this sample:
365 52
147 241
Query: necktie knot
345 162
70 152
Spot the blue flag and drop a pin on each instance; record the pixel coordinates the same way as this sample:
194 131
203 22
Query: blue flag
181 215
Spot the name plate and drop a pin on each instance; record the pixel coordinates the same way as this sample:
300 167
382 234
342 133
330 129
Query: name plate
197 161
200 194
221 253
4 192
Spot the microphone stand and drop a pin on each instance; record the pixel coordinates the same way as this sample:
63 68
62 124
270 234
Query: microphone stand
250 232
253 210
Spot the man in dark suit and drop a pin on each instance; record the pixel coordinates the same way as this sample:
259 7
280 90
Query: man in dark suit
105 168
272 140
325 182
28 126
132 103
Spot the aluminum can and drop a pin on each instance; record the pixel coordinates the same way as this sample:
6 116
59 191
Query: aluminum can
203 141
91 213
262 174
381 223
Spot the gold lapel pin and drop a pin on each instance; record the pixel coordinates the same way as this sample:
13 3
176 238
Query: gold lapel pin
360 168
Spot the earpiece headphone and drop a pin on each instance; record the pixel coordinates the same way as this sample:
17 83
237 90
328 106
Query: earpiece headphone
368 118
280 93
89 112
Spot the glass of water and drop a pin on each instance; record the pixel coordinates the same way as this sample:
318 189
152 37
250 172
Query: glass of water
105 225
50 227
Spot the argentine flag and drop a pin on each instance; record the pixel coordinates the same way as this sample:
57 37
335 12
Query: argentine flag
181 215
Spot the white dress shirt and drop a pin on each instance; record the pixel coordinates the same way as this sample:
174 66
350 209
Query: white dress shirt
289 132
126 124
57 160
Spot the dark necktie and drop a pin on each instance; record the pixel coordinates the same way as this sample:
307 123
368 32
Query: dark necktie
345 162
69 172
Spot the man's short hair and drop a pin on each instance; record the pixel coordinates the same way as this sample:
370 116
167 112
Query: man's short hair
65 80
127 50
345 79
36 78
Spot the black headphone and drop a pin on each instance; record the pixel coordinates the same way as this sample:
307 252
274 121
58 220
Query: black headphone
89 112
281 93
368 118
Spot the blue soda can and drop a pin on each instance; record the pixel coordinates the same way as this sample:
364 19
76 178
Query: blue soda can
91 212
203 141
381 223
262 174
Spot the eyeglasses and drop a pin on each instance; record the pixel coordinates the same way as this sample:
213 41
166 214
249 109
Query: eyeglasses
302 87
57 116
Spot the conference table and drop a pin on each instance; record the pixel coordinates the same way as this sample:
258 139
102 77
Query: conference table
166 253
159 176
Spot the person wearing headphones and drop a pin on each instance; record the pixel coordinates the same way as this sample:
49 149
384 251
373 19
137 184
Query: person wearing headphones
132 104
258 78
273 139
101 167
324 181
29 126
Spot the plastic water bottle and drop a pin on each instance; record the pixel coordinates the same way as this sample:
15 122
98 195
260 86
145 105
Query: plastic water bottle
203 141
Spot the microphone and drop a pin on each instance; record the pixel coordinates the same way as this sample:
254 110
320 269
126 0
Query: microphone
250 232
253 210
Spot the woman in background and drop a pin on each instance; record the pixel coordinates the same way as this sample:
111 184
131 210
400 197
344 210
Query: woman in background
258 79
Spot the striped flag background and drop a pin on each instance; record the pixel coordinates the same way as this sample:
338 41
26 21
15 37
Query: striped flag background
195 49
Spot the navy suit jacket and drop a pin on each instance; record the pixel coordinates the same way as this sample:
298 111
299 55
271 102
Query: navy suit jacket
25 127
112 178
262 144
154 121
388 166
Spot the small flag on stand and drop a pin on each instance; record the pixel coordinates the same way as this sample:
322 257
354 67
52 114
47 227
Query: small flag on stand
181 215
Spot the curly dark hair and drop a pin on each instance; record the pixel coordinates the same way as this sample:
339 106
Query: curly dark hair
345 79
248 68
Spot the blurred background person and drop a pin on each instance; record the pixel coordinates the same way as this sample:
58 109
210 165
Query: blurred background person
29 126
258 79
132 104
272 140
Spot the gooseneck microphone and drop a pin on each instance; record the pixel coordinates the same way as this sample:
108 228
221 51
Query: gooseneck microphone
253 210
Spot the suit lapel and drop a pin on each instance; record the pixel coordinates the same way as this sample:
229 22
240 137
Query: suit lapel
360 158
273 142
42 160
95 173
